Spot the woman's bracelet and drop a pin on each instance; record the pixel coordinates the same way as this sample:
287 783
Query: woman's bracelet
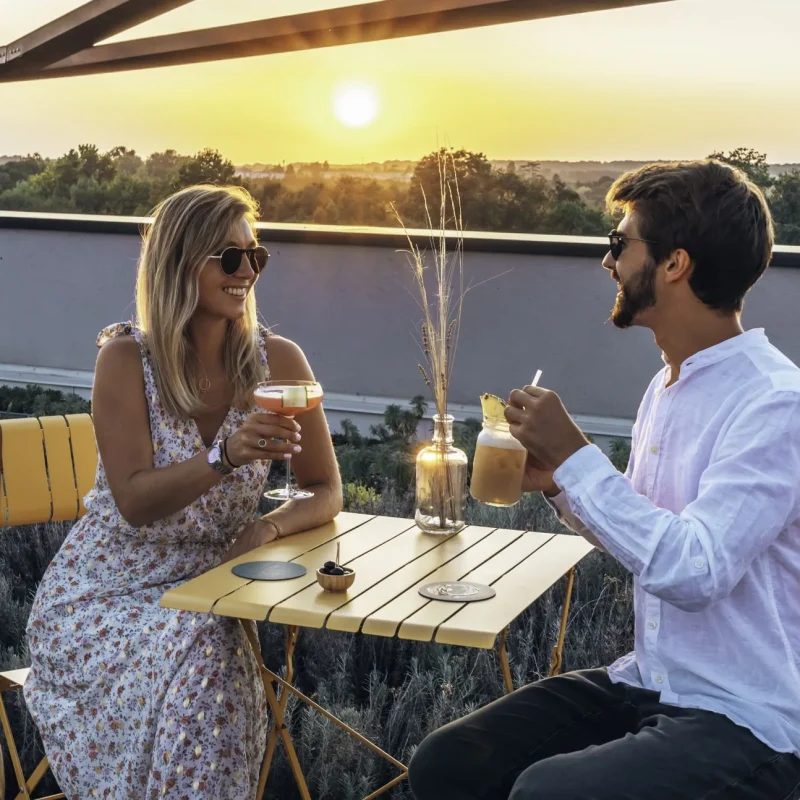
274 525
225 454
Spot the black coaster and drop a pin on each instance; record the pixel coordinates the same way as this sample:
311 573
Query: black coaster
269 570
457 591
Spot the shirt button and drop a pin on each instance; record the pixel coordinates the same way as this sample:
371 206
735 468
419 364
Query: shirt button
659 679
699 563
654 450
652 624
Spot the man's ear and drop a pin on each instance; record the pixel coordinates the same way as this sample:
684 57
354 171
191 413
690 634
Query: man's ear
679 266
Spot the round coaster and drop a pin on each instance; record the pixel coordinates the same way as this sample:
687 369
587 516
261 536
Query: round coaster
269 570
457 591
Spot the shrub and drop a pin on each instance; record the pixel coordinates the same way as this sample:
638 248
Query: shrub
33 400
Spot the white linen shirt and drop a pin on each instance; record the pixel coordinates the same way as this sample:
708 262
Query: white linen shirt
707 518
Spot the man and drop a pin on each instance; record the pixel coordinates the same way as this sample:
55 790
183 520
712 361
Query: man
707 517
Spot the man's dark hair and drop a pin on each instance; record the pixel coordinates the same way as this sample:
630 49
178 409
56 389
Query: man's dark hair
712 211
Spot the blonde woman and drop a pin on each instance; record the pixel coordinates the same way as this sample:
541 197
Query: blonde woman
133 700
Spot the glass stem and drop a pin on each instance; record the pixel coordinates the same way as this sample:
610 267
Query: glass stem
288 477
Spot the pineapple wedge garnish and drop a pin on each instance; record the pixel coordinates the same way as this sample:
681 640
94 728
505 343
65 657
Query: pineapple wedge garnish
295 397
493 407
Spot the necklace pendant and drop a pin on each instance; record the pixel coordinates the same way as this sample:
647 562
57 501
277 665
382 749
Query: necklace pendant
205 385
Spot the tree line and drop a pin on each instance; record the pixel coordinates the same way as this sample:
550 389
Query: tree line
512 200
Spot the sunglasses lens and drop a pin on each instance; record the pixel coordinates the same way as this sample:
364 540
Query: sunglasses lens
258 259
230 260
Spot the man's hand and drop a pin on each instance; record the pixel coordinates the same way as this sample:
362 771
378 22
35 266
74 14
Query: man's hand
259 531
537 479
540 422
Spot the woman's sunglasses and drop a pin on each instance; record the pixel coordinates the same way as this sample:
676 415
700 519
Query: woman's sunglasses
618 243
230 259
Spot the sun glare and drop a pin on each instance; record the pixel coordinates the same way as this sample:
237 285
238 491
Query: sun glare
356 105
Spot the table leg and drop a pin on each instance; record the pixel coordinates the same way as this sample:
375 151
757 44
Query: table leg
292 632
507 679
277 707
558 650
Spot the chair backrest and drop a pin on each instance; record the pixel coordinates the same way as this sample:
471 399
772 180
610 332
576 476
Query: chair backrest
47 465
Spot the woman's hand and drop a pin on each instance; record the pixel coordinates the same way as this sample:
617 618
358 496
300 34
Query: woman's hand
278 435
258 532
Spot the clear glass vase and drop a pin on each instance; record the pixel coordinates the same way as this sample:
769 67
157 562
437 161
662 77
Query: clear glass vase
441 482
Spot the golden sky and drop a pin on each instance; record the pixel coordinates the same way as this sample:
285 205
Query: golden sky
672 80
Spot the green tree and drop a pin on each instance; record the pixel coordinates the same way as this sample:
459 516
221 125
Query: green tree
510 202
94 164
472 173
208 166
785 203
20 169
575 218
750 161
164 165
126 161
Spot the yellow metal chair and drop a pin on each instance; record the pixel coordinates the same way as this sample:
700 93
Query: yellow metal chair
47 465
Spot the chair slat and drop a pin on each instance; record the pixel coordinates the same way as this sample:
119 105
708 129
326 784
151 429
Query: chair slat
3 508
59 468
84 454
24 473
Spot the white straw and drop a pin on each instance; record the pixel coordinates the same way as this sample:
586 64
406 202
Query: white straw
536 377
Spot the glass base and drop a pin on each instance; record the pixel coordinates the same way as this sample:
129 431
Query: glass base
429 523
282 495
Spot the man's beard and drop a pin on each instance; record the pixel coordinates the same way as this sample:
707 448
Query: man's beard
636 296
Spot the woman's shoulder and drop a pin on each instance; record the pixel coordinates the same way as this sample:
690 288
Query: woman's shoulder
118 331
119 349
281 346
287 361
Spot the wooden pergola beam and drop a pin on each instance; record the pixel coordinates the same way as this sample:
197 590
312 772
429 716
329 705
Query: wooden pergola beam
365 22
77 30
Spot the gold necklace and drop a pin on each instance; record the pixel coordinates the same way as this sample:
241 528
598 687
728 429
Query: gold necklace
204 384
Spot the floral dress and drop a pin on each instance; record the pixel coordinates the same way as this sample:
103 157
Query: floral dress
134 701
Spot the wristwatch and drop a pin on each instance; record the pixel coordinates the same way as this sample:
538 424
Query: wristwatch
214 458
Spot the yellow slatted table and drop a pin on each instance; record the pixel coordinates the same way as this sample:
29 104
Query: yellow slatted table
392 559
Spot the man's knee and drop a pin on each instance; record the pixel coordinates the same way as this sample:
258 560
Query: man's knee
557 778
428 765
437 763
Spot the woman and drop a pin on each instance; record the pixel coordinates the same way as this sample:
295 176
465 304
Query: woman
134 700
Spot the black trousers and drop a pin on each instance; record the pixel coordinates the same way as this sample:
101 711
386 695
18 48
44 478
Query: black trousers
581 737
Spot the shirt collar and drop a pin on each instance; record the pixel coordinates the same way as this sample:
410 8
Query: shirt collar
719 352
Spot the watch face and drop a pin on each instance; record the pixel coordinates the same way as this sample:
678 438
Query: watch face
214 459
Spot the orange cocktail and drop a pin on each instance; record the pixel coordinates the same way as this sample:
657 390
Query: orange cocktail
289 399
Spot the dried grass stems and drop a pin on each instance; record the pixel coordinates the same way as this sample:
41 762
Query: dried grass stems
442 303
441 299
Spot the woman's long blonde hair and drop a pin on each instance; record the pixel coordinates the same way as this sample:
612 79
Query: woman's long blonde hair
187 228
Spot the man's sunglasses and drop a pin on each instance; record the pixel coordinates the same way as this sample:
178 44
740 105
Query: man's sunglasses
618 242
230 259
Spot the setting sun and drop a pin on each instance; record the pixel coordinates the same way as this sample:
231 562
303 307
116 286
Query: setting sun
356 104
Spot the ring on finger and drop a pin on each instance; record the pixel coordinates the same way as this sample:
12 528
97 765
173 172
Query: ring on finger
262 443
